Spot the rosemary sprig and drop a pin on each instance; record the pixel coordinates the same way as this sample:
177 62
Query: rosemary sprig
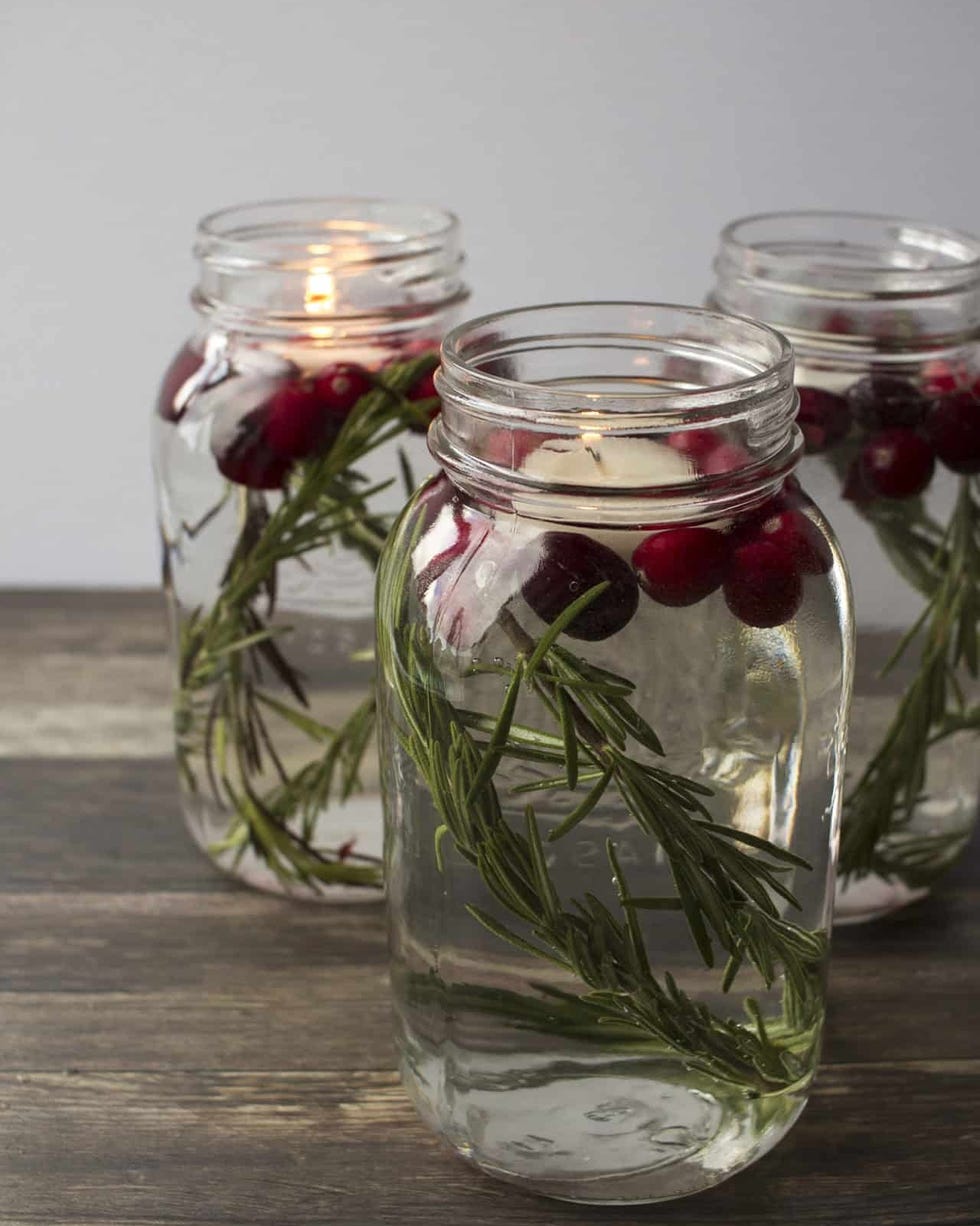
933 706
727 882
227 716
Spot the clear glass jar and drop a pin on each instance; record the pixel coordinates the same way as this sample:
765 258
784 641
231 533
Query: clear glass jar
884 316
288 431
614 661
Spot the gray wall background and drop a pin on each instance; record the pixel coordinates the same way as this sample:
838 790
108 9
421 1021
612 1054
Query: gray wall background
592 149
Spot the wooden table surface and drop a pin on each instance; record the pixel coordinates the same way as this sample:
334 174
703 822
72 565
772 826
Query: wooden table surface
177 1049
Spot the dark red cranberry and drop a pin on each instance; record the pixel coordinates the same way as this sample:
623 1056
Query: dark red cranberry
855 488
953 428
186 362
881 402
725 458
897 463
432 497
424 389
436 567
567 565
763 587
339 387
297 426
838 323
698 444
247 458
681 566
940 378
823 418
798 537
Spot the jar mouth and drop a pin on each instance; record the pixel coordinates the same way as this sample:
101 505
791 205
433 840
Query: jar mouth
346 230
606 365
294 263
552 410
861 255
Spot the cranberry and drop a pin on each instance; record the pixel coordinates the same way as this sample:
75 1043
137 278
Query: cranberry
567 565
247 458
186 362
897 463
437 566
797 536
698 444
681 566
339 387
880 402
838 323
823 418
725 458
953 428
297 426
763 587
432 497
939 378
424 389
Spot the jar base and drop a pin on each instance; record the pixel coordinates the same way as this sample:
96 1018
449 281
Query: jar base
622 1136
358 822
860 900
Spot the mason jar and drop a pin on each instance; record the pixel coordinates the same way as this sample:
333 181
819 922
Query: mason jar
288 430
614 661
884 316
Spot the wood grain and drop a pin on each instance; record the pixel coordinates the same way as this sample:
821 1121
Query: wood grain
175 1048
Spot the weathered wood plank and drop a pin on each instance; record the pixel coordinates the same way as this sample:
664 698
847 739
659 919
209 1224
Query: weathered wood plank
346 1148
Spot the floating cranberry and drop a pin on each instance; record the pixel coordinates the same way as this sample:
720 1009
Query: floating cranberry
823 418
247 458
297 426
953 429
798 537
186 362
763 587
424 389
698 444
681 566
567 565
939 378
339 387
837 323
881 402
725 458
897 463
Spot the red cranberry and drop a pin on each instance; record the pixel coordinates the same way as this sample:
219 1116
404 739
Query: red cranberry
838 323
247 458
339 387
297 426
939 378
897 463
763 587
425 389
186 362
567 565
823 418
725 458
953 428
798 537
432 497
881 402
698 444
681 566
437 566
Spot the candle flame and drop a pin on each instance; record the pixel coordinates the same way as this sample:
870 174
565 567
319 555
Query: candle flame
320 296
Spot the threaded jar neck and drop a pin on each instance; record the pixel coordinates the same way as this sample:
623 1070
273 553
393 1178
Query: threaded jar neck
328 267
628 413
850 288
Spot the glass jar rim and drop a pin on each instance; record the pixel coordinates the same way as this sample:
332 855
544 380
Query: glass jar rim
852 253
297 233
758 377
